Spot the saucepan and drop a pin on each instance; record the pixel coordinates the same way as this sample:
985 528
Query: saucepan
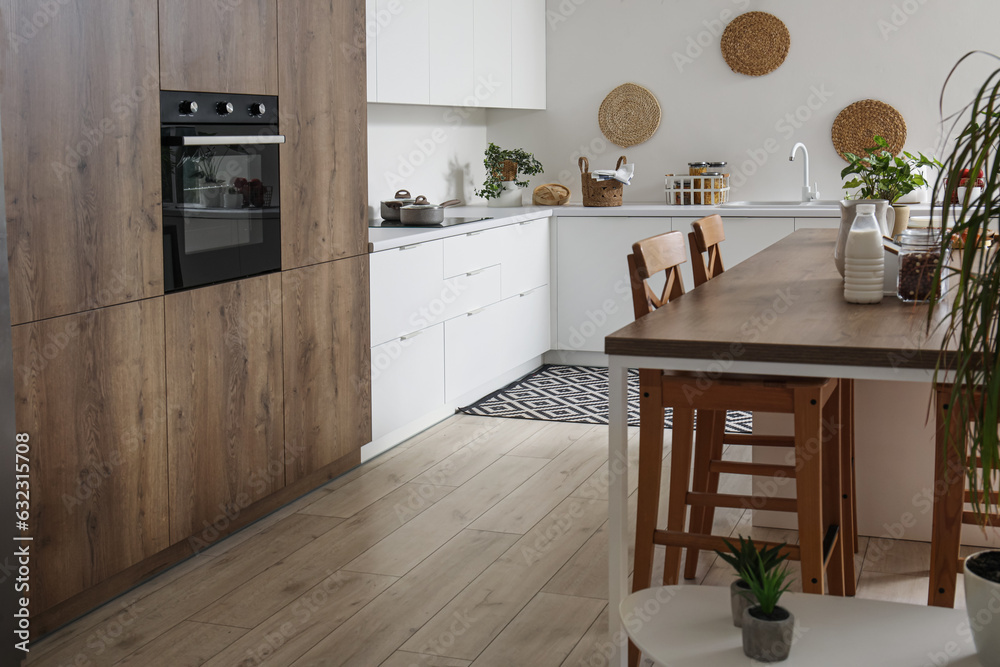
422 212
390 207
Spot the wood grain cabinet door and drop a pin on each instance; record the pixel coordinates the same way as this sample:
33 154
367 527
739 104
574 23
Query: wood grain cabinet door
225 419
219 46
324 117
90 392
327 364
81 145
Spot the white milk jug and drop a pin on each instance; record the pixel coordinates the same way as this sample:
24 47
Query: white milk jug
864 258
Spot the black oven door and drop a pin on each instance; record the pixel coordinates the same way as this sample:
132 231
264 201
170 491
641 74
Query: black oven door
221 204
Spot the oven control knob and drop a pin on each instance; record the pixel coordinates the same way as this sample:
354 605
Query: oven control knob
224 108
188 108
257 109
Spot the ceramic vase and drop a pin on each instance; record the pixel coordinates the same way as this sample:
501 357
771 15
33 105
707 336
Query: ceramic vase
510 196
982 603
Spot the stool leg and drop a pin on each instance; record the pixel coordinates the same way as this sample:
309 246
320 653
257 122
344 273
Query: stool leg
949 497
648 492
808 487
704 451
680 473
849 527
843 549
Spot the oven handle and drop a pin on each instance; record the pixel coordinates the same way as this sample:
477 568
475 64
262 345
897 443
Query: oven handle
228 140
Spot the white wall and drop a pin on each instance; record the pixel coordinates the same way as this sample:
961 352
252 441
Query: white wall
433 151
841 51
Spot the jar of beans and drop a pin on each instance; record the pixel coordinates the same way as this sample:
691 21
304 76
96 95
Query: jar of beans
919 257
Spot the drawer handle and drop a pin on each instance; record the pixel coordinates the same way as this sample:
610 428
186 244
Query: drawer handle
408 247
474 273
533 289
475 312
473 233
410 336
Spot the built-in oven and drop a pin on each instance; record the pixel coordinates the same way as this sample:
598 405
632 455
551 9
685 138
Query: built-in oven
221 201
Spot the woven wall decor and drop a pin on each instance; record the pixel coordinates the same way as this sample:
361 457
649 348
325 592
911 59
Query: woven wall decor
755 43
855 128
629 115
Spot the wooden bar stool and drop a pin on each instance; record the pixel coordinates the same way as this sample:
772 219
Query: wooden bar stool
704 239
817 471
950 498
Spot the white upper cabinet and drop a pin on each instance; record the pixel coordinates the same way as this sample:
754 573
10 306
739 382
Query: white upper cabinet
485 53
492 54
528 54
403 51
452 74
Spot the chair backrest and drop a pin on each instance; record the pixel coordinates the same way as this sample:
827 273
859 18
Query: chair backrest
705 240
649 257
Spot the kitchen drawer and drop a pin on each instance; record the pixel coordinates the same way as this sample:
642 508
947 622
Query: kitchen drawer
486 343
525 257
407 379
473 251
466 292
404 283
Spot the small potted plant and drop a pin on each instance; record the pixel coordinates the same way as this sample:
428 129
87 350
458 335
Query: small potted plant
741 558
768 630
501 187
968 312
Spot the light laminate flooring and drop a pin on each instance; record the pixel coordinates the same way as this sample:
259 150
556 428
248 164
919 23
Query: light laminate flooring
478 542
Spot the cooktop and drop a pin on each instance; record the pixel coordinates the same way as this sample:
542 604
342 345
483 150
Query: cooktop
448 222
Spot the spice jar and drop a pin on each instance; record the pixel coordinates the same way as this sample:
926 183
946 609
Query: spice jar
696 168
717 166
919 256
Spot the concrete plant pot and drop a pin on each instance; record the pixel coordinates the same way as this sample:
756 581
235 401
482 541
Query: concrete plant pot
767 640
982 603
741 599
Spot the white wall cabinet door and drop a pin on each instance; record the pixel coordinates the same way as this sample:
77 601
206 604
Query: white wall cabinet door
452 73
594 292
528 54
492 52
371 47
403 48
407 379
406 284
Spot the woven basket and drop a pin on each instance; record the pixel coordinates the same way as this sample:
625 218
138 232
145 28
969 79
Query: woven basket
600 193
508 171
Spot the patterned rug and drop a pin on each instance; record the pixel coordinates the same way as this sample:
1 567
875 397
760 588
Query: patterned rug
573 394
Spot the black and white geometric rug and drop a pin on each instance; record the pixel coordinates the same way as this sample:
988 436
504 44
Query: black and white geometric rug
573 394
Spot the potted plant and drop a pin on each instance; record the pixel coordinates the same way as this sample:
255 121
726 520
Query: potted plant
768 629
742 558
971 315
881 178
501 187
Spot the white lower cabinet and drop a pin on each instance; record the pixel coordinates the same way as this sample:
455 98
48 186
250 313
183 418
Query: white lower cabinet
487 342
405 283
407 379
525 250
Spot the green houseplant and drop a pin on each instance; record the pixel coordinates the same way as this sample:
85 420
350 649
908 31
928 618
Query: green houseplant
502 168
970 351
768 630
744 557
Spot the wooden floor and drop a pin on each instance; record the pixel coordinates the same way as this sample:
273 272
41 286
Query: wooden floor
479 542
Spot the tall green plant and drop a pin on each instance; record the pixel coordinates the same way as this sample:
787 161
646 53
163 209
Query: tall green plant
746 555
495 157
881 175
970 357
767 585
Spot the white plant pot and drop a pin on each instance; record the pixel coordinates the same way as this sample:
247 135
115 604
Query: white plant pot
982 603
510 196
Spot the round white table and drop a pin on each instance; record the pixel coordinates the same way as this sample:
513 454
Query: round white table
681 626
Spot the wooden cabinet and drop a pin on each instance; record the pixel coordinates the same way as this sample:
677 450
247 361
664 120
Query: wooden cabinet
326 364
90 392
225 418
223 46
324 175
80 109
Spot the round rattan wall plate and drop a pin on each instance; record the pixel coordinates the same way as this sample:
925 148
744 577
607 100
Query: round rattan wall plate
755 43
855 128
629 115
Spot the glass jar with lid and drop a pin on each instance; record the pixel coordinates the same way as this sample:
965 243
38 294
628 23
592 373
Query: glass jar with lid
919 257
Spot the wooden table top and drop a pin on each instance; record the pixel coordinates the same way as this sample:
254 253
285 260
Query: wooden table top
784 304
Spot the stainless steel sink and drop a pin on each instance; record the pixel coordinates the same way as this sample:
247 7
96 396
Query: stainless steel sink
816 203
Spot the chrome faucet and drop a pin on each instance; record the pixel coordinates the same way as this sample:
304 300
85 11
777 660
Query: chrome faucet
808 193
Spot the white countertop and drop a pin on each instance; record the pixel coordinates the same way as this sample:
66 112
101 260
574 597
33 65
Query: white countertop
394 237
